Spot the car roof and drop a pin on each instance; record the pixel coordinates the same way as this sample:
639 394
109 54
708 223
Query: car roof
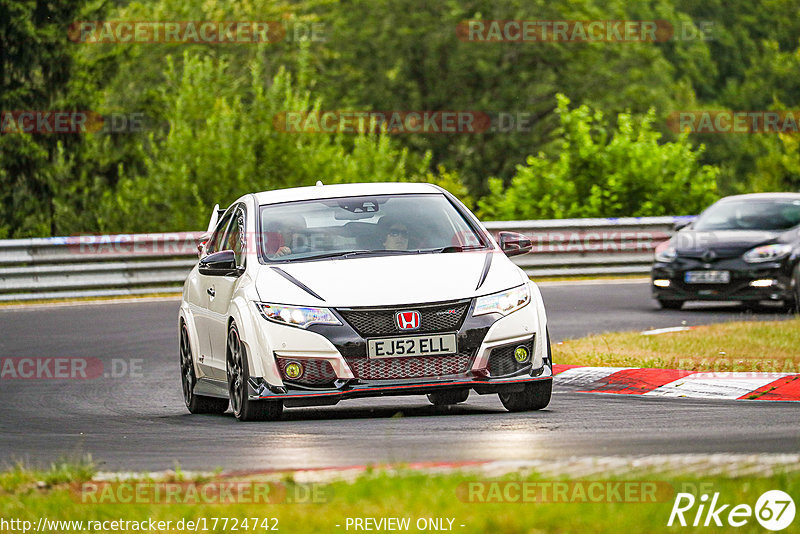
343 190
763 196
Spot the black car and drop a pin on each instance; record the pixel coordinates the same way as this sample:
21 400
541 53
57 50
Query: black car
742 248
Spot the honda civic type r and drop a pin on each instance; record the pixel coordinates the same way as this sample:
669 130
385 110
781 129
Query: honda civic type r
312 295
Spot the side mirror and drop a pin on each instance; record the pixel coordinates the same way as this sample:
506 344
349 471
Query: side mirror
514 244
680 225
222 263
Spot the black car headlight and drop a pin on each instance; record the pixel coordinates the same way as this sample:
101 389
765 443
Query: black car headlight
666 254
767 253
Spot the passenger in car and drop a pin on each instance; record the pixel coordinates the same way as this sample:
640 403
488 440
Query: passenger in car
286 237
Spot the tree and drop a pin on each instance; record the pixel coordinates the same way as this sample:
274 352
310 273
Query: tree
223 142
37 73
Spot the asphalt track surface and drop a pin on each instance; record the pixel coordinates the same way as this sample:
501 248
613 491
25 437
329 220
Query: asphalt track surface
141 423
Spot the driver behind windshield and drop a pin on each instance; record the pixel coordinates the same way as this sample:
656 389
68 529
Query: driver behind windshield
395 235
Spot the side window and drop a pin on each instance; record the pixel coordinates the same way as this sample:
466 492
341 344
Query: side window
219 232
234 239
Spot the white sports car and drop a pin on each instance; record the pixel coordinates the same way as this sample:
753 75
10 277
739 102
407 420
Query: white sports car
312 295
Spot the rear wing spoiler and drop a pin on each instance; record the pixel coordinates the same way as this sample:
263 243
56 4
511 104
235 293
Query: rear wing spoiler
216 213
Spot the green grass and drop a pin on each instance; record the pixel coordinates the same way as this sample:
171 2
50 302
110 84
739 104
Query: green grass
19 479
751 346
405 494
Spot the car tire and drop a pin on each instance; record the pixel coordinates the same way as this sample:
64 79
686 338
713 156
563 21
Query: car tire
244 408
668 304
446 398
196 404
535 396
754 306
795 307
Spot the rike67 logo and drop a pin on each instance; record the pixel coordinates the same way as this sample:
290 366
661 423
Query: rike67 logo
774 510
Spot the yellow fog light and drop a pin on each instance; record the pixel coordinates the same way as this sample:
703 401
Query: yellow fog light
293 370
521 354
661 283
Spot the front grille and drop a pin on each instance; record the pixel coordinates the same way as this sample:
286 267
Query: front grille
315 372
719 253
411 367
441 317
502 361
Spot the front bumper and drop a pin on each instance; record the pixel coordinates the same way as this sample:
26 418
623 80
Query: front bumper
484 363
742 274
293 397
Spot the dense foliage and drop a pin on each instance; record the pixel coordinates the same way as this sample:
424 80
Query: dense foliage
598 173
210 131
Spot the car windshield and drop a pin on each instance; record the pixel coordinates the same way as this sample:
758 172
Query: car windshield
369 225
772 215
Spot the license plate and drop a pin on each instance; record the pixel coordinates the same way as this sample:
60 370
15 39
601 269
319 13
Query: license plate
707 277
399 347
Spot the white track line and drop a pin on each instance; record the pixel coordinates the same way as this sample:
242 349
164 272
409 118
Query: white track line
666 330
715 385
585 376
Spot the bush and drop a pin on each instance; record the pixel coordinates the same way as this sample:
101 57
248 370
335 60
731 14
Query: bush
598 173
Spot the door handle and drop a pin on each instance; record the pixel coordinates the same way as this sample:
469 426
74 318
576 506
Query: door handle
211 292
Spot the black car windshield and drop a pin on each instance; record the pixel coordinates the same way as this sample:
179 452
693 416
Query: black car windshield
770 215
360 226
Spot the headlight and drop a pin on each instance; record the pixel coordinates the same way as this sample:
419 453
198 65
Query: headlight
767 253
296 315
666 254
504 302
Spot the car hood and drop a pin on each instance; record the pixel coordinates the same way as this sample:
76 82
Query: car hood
726 243
387 280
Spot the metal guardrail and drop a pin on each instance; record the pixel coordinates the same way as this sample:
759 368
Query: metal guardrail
92 266
576 247
131 264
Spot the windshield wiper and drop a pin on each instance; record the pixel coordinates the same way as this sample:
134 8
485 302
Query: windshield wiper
341 253
379 251
353 253
454 248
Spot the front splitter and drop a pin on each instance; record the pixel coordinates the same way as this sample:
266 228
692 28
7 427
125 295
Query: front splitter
319 397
